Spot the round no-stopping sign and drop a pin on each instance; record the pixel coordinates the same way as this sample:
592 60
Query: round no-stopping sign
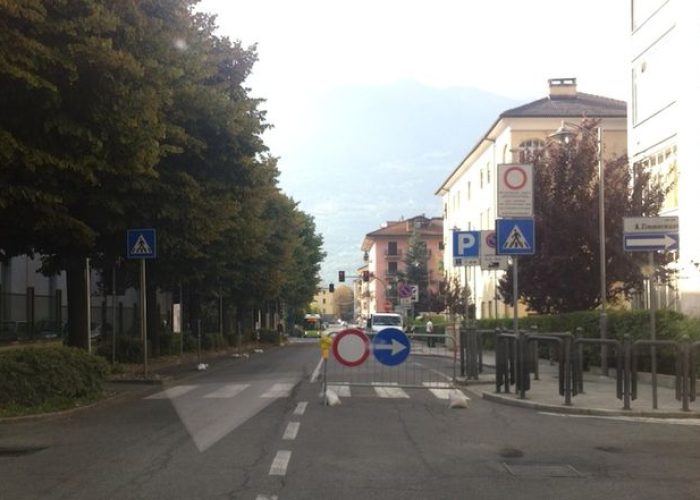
515 178
351 347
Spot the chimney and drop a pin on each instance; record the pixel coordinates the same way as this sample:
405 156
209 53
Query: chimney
562 88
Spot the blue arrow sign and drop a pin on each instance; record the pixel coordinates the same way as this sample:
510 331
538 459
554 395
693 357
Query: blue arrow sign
141 243
515 236
391 347
650 242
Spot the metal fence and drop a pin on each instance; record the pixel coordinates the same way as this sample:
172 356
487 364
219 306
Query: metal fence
432 363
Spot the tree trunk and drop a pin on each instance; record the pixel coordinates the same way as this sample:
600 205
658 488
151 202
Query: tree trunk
76 285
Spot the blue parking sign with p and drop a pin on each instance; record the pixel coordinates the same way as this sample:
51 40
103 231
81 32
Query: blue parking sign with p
465 243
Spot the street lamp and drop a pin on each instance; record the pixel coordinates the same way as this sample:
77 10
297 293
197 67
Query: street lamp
565 133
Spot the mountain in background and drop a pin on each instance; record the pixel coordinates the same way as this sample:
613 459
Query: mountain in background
372 154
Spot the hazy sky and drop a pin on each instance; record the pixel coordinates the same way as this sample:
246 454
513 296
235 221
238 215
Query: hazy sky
506 47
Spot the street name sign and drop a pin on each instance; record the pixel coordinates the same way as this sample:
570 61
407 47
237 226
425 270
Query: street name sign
351 347
141 243
514 194
650 234
515 236
465 248
391 347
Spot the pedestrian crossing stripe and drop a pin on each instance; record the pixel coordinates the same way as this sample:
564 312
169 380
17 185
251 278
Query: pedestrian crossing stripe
141 247
516 240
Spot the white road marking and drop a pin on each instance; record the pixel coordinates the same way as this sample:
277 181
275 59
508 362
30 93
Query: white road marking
227 391
290 433
623 418
265 497
173 392
441 390
278 391
342 391
317 371
280 463
390 392
301 408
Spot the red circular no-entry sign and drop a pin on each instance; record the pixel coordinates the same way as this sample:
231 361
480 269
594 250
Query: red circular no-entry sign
515 178
351 347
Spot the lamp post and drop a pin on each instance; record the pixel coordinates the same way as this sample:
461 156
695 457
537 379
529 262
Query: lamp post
565 133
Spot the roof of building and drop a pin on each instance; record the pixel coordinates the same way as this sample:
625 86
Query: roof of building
563 101
578 105
426 226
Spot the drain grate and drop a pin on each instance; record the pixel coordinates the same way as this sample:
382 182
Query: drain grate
20 451
537 470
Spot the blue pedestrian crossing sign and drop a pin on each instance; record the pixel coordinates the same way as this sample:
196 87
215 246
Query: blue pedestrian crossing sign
391 347
141 243
515 236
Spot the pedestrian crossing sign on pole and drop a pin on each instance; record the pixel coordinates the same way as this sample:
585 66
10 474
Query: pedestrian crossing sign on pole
141 243
515 236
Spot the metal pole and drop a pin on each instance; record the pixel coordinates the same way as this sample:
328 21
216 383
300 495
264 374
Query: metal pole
495 293
652 329
89 304
182 326
199 341
466 295
144 335
515 293
114 313
601 236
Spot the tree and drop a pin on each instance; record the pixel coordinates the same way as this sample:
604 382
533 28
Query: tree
416 269
563 275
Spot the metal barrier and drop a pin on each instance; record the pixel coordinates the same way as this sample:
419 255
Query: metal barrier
622 350
471 351
432 363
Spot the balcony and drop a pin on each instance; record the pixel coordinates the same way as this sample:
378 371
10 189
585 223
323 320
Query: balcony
392 255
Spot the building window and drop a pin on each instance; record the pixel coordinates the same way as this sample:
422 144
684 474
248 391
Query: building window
469 190
393 267
529 148
481 178
488 173
393 248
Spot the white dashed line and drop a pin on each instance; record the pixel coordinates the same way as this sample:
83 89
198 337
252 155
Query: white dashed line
265 497
290 433
390 392
279 464
301 408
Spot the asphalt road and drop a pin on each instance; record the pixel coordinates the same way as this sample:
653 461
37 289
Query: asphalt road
255 429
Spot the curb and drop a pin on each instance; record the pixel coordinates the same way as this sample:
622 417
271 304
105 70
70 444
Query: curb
573 410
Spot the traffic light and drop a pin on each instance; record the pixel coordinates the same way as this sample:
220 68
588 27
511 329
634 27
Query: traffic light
365 275
331 288
341 276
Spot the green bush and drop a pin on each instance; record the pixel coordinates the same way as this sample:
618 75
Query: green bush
128 349
49 375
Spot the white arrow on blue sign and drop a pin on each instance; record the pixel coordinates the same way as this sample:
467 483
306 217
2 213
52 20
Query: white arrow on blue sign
391 347
650 242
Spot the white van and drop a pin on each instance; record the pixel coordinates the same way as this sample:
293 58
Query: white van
379 321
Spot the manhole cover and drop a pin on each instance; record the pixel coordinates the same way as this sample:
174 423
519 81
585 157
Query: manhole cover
534 470
20 451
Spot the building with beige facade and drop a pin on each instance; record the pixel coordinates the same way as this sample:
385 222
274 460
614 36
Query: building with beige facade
664 126
469 191
385 251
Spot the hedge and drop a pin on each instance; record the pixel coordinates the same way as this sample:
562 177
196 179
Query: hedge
35 376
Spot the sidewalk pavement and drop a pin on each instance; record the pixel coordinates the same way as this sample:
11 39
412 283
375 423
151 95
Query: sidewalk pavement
598 398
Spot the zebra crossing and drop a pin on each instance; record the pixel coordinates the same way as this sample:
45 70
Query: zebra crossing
283 390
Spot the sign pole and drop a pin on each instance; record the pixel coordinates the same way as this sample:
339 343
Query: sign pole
652 327
515 293
144 335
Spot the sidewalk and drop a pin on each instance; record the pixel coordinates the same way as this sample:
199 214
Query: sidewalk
598 397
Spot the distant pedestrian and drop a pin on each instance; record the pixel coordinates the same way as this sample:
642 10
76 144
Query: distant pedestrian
429 331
